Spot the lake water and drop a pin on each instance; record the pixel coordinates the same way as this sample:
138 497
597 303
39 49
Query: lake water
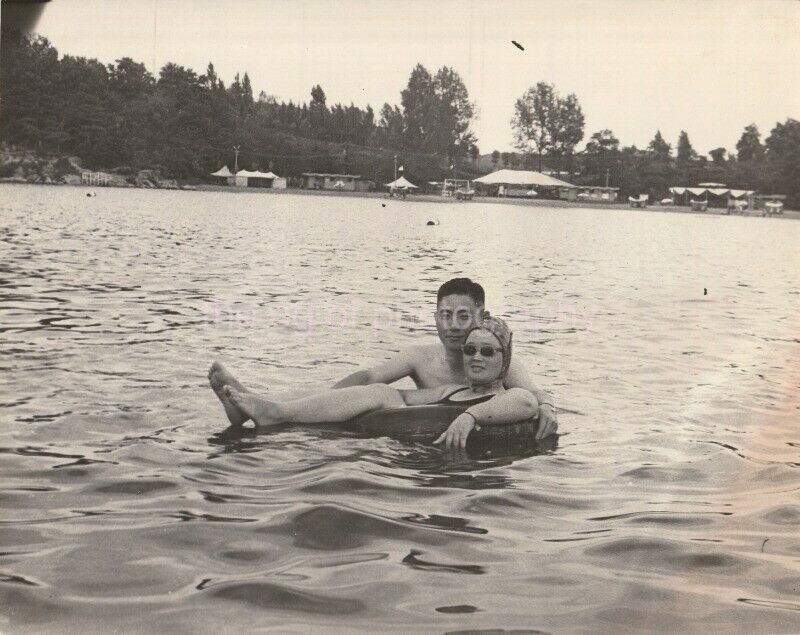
670 502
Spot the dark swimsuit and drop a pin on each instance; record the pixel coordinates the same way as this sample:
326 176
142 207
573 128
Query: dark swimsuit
446 401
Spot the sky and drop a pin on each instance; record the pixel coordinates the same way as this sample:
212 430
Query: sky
709 67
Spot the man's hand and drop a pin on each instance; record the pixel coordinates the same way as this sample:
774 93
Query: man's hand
456 434
548 421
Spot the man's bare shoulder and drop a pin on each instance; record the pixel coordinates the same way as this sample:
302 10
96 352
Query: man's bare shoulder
422 351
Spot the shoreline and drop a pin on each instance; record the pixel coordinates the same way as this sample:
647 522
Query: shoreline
430 198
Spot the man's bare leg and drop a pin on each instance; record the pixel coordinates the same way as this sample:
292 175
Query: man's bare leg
219 377
330 406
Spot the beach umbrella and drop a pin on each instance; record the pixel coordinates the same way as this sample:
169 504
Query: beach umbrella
401 182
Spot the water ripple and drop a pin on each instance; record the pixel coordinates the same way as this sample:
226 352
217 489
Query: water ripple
670 498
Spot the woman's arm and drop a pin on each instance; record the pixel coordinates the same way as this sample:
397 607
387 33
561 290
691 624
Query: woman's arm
518 377
510 406
514 404
424 396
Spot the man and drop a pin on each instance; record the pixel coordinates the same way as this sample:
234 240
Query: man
459 304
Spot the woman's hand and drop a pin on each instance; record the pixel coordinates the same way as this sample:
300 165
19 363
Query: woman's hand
456 434
548 421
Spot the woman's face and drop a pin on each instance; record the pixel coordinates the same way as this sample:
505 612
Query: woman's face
480 368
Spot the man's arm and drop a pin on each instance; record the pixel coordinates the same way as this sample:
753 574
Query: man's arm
518 377
396 367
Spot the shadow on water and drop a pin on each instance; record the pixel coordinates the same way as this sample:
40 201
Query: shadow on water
431 466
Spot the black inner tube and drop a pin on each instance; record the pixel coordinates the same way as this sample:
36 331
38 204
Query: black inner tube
425 423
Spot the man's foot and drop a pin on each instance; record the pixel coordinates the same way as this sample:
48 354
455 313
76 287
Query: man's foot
219 377
263 412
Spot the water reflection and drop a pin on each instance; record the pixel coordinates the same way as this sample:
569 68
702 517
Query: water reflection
407 452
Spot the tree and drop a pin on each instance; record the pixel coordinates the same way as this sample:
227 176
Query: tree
390 127
603 140
659 147
317 97
131 80
496 158
453 115
29 75
602 156
130 87
544 121
247 93
685 153
531 121
418 100
506 158
474 152
749 145
783 156
566 127
718 156
318 113
437 113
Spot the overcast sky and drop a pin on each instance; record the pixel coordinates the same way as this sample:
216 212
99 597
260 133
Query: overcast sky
708 67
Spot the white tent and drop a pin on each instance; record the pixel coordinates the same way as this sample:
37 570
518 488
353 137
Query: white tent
402 182
255 174
223 171
526 178
716 191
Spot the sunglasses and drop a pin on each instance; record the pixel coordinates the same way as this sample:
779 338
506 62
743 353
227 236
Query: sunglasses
486 351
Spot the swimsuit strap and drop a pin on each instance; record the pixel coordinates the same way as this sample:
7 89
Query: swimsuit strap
458 390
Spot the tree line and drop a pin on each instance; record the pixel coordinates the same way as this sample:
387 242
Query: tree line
185 125
769 167
548 128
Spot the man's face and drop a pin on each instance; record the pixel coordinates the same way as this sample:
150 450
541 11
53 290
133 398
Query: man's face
455 315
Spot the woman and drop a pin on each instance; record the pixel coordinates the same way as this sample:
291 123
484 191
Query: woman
487 357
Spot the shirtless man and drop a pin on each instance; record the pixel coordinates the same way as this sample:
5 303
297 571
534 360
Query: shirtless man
460 304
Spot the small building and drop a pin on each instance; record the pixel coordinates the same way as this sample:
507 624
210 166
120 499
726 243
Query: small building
248 178
458 188
432 187
589 193
715 195
765 201
95 178
521 183
336 182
